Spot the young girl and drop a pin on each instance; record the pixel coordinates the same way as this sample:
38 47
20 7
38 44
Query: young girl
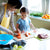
24 23
12 5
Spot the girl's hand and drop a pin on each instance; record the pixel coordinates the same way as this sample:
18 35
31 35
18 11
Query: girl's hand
17 31
34 30
22 32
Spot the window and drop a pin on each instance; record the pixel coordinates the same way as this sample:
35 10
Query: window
35 5
49 6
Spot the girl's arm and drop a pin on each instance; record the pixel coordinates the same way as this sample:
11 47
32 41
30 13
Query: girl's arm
17 27
32 26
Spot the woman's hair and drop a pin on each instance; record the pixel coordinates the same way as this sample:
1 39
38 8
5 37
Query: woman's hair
24 9
17 3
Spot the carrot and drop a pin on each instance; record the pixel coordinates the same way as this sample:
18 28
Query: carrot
19 37
26 35
29 34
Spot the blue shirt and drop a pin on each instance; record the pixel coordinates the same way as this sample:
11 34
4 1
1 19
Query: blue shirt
24 25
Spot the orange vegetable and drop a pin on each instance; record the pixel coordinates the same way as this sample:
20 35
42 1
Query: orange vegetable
26 35
29 34
19 34
19 37
46 16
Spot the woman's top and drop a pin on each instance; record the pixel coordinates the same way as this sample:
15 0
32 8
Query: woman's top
7 15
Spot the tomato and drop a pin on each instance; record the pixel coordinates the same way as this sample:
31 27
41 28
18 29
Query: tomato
29 34
19 37
26 35
19 34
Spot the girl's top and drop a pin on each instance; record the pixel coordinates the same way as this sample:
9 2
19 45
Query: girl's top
24 25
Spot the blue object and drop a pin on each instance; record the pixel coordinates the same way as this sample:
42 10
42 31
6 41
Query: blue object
5 37
24 25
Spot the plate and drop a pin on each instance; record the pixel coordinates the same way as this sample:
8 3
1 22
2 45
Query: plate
5 38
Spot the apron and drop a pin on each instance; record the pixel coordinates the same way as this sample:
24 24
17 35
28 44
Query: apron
5 21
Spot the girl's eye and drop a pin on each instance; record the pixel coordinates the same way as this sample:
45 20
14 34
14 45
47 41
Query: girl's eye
25 15
22 15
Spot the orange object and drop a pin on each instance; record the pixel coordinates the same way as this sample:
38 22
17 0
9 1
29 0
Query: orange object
19 37
46 16
19 34
29 34
26 35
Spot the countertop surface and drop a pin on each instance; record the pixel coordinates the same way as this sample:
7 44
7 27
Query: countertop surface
35 44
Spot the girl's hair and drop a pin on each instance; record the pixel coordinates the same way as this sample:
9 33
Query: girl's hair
24 9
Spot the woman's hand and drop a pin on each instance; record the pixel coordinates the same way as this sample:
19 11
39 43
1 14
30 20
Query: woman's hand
10 32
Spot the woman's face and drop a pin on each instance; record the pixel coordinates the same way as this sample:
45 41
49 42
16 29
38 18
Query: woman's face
11 8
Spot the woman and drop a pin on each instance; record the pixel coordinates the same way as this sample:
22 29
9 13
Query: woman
12 5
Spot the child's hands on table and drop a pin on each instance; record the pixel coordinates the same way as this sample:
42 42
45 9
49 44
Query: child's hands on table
17 34
22 32
35 30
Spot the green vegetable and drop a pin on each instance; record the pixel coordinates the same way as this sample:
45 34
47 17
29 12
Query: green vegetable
19 46
36 14
38 38
41 39
15 47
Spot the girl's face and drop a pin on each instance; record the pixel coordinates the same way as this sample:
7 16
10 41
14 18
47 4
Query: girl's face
24 15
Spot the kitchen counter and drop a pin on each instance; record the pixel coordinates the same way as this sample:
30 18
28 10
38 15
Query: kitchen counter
35 44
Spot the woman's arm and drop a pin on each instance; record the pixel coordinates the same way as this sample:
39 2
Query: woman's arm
12 23
1 13
6 30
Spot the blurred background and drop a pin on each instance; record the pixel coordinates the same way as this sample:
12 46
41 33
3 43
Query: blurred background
35 5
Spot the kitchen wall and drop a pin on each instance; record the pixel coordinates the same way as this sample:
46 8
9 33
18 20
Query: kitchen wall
40 23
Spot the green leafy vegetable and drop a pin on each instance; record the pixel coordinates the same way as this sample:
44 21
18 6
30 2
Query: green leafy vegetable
36 14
